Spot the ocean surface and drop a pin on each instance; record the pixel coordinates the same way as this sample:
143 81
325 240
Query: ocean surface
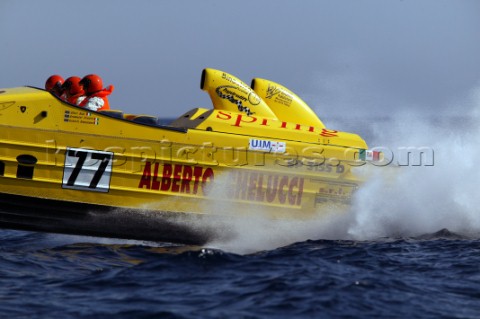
46 276
409 247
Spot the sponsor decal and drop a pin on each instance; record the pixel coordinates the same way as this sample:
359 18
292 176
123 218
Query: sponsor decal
267 146
340 193
278 95
238 84
269 188
231 93
241 120
5 105
253 98
176 178
327 168
239 94
328 133
250 186
80 117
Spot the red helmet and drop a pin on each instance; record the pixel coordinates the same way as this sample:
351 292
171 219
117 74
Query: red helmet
92 83
53 81
72 86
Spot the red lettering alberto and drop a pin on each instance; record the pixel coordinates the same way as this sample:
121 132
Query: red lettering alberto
155 182
186 178
177 171
146 177
208 175
197 173
166 181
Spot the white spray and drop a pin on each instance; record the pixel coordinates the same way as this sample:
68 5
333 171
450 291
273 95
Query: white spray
410 197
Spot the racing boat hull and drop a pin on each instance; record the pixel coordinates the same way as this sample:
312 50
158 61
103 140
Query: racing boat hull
70 170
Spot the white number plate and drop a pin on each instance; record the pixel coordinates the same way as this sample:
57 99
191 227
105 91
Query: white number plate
87 170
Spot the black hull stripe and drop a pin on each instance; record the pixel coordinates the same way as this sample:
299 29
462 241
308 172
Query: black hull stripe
46 215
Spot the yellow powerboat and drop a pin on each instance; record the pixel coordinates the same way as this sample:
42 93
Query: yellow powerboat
66 169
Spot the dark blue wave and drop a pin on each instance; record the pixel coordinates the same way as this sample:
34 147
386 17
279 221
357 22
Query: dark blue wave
43 275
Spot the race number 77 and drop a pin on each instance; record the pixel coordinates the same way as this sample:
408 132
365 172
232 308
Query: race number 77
86 169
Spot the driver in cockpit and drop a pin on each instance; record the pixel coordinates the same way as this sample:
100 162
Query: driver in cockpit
54 85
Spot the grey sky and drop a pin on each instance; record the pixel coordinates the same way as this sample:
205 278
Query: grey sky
355 56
